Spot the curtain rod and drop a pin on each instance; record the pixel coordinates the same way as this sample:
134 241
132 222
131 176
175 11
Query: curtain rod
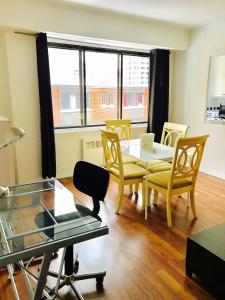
87 43
96 44
25 33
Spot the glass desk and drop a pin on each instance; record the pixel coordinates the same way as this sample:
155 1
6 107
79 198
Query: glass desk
37 219
134 149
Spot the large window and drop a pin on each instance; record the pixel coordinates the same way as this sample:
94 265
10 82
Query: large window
135 88
90 86
65 85
101 84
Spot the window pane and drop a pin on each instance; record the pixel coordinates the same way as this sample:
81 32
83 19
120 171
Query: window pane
65 86
101 87
135 88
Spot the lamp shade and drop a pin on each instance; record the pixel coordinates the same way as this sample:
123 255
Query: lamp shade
13 135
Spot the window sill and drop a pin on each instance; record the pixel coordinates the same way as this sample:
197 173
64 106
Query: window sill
218 121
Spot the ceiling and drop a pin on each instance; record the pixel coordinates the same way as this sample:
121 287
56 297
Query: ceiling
188 13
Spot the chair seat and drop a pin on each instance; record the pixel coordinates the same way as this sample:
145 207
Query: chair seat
128 159
162 179
130 171
155 165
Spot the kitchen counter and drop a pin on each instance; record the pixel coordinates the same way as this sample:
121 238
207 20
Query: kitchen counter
215 120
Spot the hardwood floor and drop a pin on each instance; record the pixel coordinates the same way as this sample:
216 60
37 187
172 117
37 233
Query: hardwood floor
143 259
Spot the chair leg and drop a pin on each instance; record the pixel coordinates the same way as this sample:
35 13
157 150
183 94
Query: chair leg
147 199
136 186
188 198
192 200
156 196
120 199
131 189
146 202
168 210
143 195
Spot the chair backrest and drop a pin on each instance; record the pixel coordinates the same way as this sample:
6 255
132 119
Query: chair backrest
112 151
171 132
187 158
92 180
122 127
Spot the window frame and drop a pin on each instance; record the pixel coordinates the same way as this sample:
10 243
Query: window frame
82 65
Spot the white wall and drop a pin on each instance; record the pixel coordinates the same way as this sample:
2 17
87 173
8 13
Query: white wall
22 69
46 15
19 99
190 93
5 103
69 147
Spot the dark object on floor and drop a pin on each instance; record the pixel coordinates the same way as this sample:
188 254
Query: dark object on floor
206 258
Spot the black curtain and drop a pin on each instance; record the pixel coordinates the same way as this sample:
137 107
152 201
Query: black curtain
47 125
159 91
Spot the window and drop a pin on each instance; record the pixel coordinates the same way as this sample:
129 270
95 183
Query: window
135 92
89 86
107 99
104 99
133 99
111 101
65 86
69 99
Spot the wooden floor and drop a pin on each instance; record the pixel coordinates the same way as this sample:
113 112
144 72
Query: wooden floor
143 260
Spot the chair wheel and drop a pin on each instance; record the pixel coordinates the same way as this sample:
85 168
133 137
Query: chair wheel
99 281
76 267
54 255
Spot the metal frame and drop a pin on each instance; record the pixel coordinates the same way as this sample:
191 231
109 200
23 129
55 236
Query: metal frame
52 246
8 237
47 249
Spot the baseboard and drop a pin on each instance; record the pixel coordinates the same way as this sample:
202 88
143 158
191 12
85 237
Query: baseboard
218 176
64 174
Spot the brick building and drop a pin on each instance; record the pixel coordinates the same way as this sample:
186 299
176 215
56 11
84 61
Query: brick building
101 105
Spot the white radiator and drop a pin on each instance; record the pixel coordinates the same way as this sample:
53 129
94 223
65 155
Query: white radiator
92 150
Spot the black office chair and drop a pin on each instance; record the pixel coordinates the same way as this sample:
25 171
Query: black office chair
92 180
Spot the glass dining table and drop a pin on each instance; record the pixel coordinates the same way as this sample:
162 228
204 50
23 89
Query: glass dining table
135 149
38 219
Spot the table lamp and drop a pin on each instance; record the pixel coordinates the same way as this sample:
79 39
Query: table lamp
13 135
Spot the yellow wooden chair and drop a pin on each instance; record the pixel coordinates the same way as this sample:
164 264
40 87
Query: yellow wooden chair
182 176
170 134
123 174
123 128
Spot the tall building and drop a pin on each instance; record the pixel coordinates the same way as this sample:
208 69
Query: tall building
136 71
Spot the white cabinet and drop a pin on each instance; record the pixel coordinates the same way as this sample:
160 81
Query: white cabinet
7 170
216 85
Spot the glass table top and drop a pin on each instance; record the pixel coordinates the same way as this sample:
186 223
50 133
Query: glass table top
134 148
38 214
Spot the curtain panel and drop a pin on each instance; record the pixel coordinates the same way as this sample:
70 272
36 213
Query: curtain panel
158 91
46 112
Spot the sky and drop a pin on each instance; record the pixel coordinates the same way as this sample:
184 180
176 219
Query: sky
101 68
